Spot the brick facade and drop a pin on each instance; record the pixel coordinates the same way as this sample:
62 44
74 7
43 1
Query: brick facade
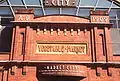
24 63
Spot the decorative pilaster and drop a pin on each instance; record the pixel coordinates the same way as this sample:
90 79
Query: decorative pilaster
92 45
15 43
108 45
95 43
27 43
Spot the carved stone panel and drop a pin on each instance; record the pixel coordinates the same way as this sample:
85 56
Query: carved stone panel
61 48
63 70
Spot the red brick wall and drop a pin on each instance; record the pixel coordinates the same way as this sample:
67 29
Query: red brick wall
28 32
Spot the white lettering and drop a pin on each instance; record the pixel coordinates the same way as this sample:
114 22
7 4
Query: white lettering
20 17
53 2
27 18
99 19
105 19
60 2
67 2
94 19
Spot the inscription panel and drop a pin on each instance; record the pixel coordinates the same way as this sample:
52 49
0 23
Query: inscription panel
58 48
60 3
100 19
62 69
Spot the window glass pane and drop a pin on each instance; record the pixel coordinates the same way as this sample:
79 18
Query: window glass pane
115 6
16 2
49 11
114 23
84 12
5 11
115 36
118 13
14 8
3 3
77 2
88 2
6 21
115 12
69 11
119 24
38 11
112 18
104 3
32 2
